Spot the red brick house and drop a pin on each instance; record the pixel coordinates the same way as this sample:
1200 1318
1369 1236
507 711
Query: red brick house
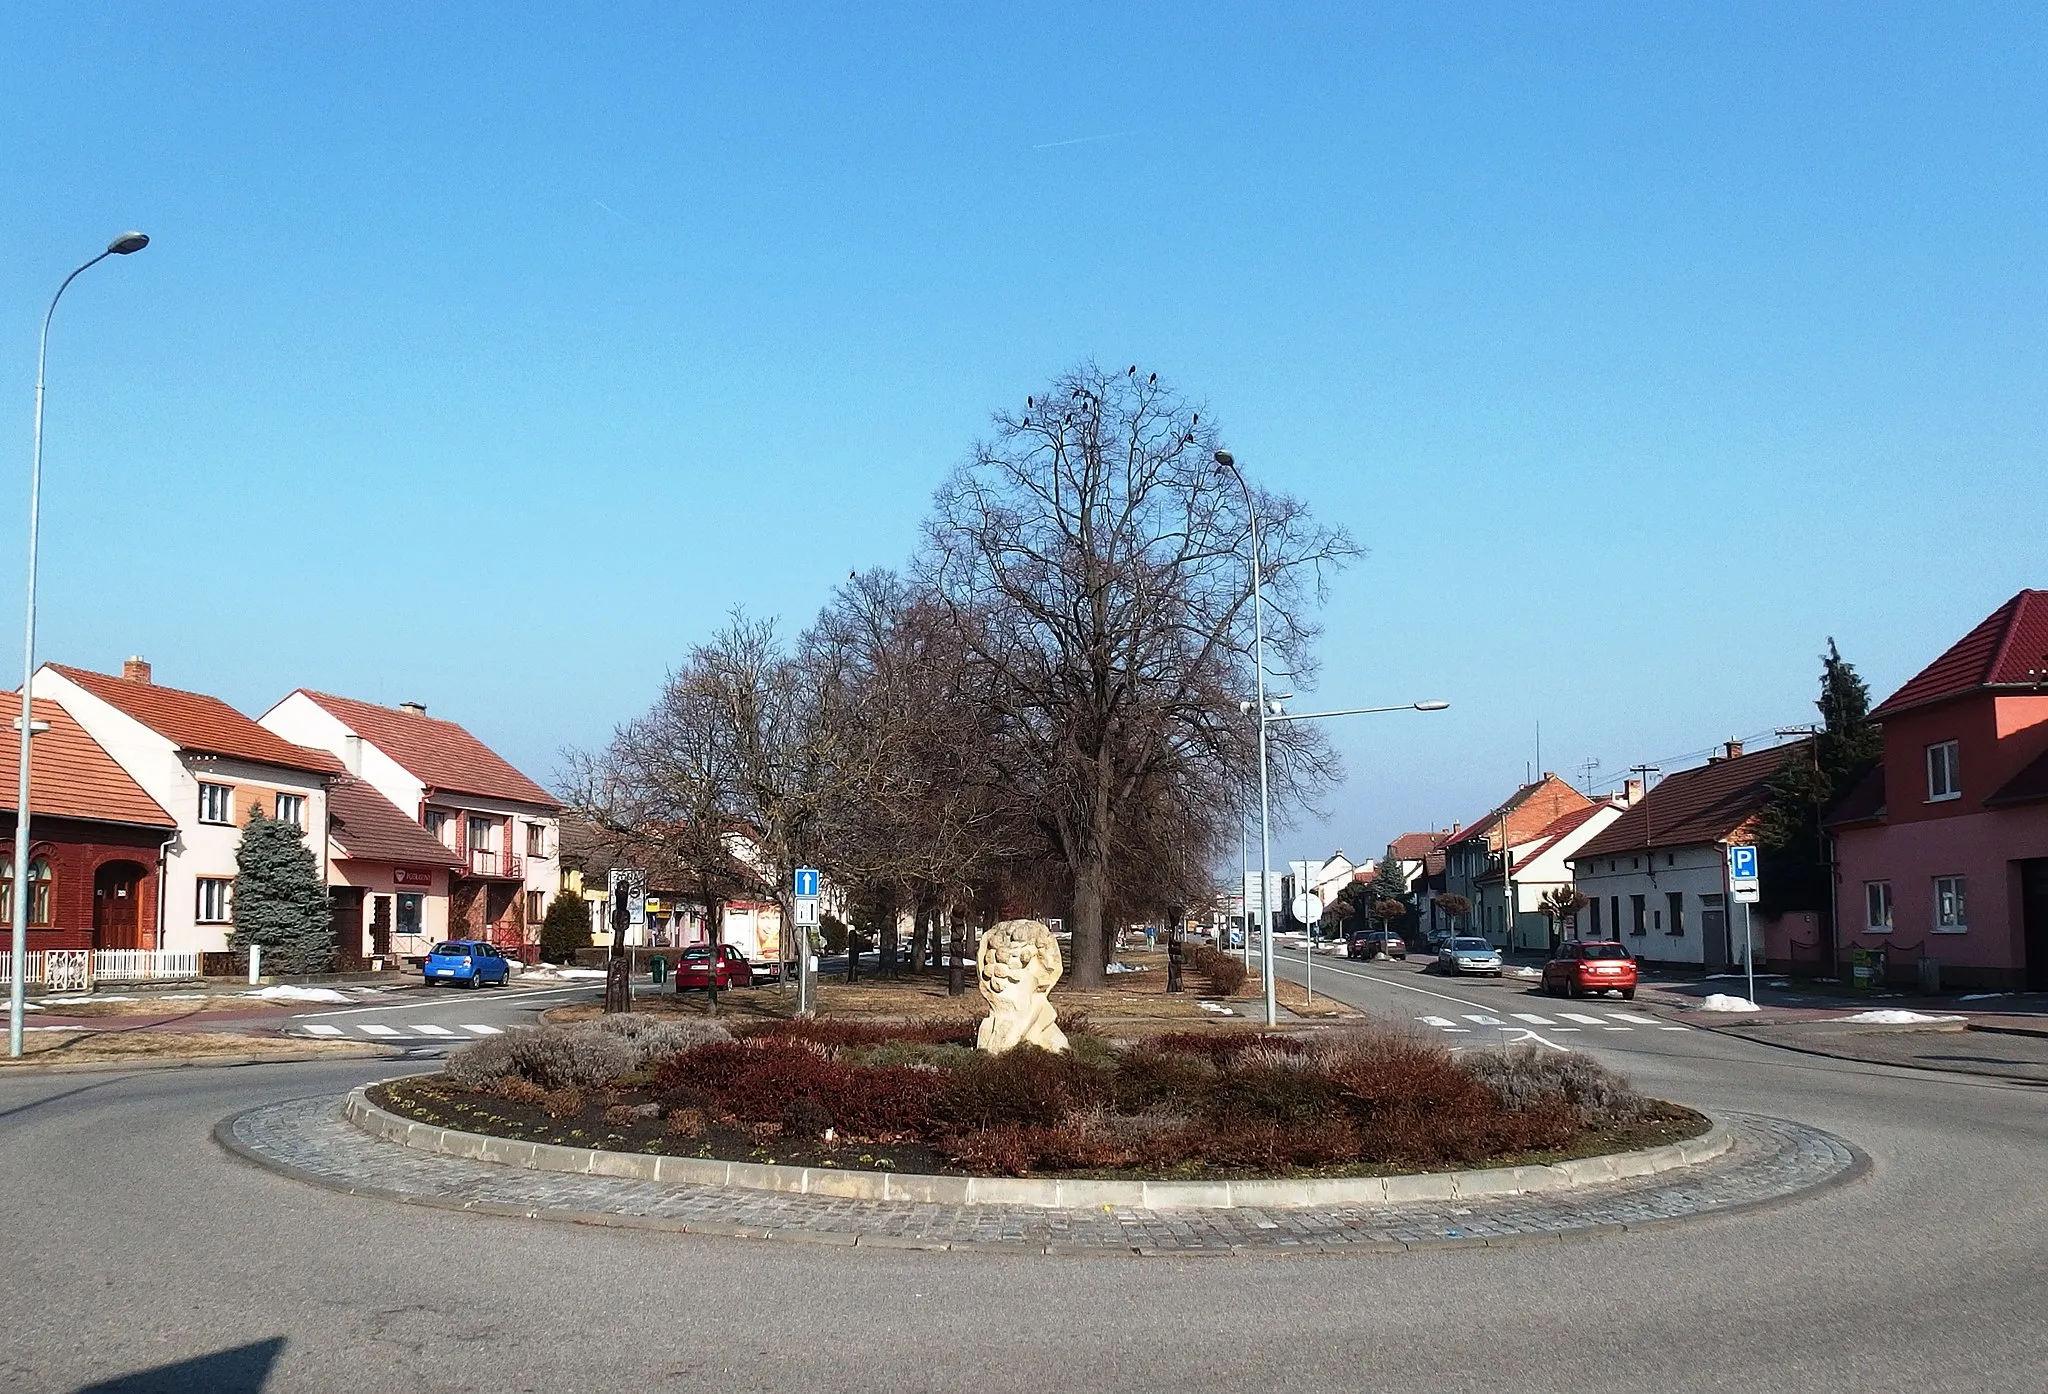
95 863
1942 852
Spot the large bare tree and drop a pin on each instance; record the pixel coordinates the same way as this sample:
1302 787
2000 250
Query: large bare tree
1092 563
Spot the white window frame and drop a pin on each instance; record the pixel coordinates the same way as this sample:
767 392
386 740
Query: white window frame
207 790
537 838
298 806
1874 893
224 886
1956 888
1944 758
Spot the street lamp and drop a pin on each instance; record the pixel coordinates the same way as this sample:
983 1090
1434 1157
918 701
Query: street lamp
126 244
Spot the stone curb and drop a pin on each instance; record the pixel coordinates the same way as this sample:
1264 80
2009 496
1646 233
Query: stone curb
202 1062
1047 1193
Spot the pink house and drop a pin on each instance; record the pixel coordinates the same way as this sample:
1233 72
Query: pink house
1942 852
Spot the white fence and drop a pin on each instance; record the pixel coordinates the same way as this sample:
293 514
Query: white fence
81 968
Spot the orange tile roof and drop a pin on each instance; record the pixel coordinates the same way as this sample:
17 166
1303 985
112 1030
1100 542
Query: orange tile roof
194 721
368 827
2009 649
440 754
71 776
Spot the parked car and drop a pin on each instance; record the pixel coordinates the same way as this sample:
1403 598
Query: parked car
467 961
1440 937
697 969
1469 955
1373 943
1590 965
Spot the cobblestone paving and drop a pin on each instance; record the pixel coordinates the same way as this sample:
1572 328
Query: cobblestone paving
1772 1159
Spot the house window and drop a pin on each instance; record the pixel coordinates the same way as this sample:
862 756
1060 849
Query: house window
436 823
215 895
291 808
1944 772
536 839
38 892
7 891
1877 906
1614 914
1951 914
216 804
410 906
1639 912
1676 900
1593 917
536 906
483 835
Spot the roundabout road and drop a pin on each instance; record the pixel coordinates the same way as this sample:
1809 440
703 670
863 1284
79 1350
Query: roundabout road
133 1244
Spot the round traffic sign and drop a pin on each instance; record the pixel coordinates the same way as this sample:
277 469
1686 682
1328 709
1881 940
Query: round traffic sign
1307 908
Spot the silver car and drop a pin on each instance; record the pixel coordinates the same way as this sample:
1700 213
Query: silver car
1463 955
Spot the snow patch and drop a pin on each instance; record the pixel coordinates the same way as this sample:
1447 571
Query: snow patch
1218 1008
287 992
1126 968
545 973
87 997
1722 1002
1983 996
1525 972
1893 1016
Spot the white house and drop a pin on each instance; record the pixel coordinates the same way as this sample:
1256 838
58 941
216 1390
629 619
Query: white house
208 766
1539 866
502 829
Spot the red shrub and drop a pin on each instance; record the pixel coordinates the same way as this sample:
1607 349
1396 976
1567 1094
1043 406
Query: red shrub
1026 1086
1224 1044
839 1034
756 1082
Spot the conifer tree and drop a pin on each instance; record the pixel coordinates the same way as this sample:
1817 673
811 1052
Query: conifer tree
1795 867
565 928
280 902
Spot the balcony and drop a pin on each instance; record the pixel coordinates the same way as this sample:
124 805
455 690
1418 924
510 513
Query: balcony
494 866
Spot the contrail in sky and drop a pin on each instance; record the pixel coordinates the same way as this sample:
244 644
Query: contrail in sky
1083 140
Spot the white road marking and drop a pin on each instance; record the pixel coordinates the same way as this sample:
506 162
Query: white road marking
517 995
428 1030
1633 1020
371 1028
323 1030
1480 1020
1438 1021
1674 1028
1582 1018
1532 1018
482 1030
1617 1028
1563 1029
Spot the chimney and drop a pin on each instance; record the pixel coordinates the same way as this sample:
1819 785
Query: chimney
413 708
352 753
1731 750
136 669
1631 793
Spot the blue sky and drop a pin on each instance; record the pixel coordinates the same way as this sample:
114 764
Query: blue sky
487 356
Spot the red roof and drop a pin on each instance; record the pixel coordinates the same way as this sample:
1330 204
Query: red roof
369 827
1558 829
2009 649
71 776
1710 803
193 721
440 754
1412 847
1527 812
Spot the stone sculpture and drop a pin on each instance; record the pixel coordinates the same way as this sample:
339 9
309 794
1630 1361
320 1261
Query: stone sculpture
1017 965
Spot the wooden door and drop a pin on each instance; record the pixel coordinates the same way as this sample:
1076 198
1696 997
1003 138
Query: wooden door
380 925
116 895
346 905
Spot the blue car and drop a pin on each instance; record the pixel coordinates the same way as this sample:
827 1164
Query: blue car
468 962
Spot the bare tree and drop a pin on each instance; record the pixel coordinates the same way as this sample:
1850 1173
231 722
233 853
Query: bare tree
1093 566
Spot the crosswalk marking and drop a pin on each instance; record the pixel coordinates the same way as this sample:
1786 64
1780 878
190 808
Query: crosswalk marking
1478 1020
1674 1028
1532 1018
1634 1020
372 1029
1582 1018
430 1030
1628 1021
323 1030
1438 1021
483 1030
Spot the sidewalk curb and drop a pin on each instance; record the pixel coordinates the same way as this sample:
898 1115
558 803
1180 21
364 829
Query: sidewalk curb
203 1062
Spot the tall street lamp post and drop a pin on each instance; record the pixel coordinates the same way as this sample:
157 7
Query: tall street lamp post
17 956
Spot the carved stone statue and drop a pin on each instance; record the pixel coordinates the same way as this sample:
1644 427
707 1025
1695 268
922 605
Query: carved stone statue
1018 963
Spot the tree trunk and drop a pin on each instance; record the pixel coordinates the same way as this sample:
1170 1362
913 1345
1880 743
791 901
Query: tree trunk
956 953
887 909
1086 921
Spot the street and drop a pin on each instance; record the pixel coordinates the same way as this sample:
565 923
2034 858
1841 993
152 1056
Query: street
433 1020
138 1244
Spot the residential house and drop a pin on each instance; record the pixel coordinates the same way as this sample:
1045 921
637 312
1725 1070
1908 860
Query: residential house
502 828
1656 878
208 766
1422 859
388 878
1942 852
1540 867
1470 854
97 842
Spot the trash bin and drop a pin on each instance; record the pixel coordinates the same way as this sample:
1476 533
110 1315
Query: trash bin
657 969
1930 977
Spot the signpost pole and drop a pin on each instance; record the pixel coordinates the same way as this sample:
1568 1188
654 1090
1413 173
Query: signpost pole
1745 886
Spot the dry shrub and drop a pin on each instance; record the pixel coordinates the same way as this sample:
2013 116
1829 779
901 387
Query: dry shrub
566 1102
755 1080
658 1037
518 1090
1527 1078
553 1057
838 1034
622 1115
1225 973
685 1122
1222 1044
1147 1076
916 1055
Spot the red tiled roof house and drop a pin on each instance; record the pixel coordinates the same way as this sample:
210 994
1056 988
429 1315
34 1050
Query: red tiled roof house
1942 853
498 831
97 843
205 765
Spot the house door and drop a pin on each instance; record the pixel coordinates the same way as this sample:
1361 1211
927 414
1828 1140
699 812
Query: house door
116 893
380 924
345 905
1714 934
2034 921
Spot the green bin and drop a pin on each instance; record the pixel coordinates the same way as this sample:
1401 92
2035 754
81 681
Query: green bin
657 969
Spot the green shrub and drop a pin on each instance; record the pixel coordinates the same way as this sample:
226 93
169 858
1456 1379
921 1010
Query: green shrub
565 928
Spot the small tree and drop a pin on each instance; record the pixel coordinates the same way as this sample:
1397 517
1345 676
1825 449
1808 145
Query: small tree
279 901
1456 906
565 928
1560 903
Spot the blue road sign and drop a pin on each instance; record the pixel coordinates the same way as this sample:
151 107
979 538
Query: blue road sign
806 882
1742 862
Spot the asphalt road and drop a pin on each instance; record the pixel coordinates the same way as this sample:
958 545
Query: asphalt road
433 1020
133 1245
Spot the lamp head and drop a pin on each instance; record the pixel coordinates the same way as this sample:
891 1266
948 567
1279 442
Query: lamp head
128 242
1433 705
1225 460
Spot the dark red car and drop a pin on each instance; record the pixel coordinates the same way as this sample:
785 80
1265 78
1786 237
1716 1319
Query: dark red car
697 969
1590 965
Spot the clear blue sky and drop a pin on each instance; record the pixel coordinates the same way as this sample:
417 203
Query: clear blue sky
485 357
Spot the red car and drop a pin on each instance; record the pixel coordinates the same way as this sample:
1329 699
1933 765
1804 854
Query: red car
1590 965
696 968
